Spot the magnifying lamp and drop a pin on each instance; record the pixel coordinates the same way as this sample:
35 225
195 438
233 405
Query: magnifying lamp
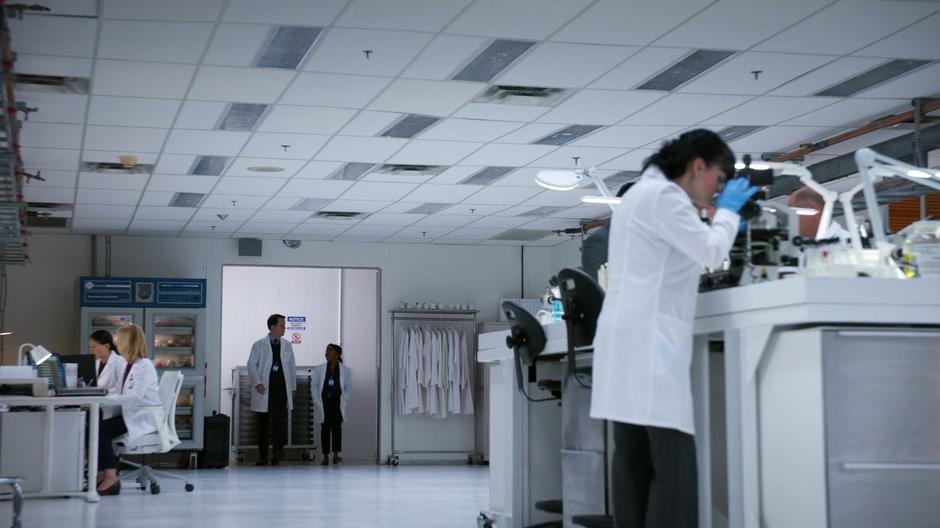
568 180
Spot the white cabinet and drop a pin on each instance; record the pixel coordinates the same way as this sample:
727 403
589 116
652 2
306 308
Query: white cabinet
21 456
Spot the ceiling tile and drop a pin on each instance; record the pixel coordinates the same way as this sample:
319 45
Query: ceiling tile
153 41
141 79
369 123
734 76
54 107
99 225
315 188
104 156
132 111
319 229
778 139
529 133
175 164
232 215
584 211
378 191
49 65
282 203
239 167
270 215
636 22
632 160
500 112
392 219
418 234
445 220
94 180
328 89
427 152
564 65
521 177
288 12
477 210
200 115
157 227
106 211
362 206
49 135
381 14
266 228
163 213
456 129
371 231
684 109
738 24
412 96
270 145
205 10
915 42
472 234
444 56
53 35
503 222
439 193
851 112
628 136
644 64
588 157
52 159
558 199
210 228
362 149
53 178
770 110
248 186
869 22
828 75
340 50
244 85
111 197
318 170
87 8
306 119
549 224
182 183
62 195
236 44
502 195
915 84
600 107
517 19
224 201
506 155
127 139
206 142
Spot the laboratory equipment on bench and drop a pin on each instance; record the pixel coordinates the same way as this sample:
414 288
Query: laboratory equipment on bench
920 250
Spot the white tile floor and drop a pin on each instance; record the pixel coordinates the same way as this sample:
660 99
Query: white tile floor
283 497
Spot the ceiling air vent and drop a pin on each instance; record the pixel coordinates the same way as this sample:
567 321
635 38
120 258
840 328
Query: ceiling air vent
351 171
410 170
310 204
340 215
863 81
487 175
567 134
52 84
522 235
115 168
695 64
187 199
521 95
429 208
209 165
409 126
288 47
492 60
242 116
48 215
736 132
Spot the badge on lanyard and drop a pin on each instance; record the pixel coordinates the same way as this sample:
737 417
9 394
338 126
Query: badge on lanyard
330 382
275 367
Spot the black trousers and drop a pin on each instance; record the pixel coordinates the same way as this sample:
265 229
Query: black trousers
331 430
107 432
654 477
272 425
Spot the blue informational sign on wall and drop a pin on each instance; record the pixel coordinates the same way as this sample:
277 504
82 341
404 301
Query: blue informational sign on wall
141 292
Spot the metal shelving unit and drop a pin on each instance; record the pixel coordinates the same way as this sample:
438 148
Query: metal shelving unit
13 244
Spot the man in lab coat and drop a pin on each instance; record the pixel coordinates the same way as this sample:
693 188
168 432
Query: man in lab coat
273 375
643 345
809 199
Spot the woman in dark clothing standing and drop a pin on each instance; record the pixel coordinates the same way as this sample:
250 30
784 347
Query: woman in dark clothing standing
333 385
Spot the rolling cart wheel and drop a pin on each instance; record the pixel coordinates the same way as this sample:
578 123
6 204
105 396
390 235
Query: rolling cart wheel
395 461
190 487
154 488
469 460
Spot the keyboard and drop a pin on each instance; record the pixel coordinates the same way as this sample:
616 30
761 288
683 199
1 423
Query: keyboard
82 391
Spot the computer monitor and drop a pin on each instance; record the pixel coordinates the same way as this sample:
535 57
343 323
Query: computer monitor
86 367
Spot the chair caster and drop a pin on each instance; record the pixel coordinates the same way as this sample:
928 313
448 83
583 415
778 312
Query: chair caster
154 488
190 487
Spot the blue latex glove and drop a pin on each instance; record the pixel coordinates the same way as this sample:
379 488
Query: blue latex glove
735 194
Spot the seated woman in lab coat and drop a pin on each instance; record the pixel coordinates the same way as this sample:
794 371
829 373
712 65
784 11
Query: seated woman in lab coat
331 382
109 365
138 390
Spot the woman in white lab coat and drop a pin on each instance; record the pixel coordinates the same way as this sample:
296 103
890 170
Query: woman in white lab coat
643 345
109 365
138 390
331 386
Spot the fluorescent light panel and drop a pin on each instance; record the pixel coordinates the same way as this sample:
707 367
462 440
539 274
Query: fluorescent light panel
409 126
288 47
209 165
487 175
863 81
693 65
242 116
567 134
492 60
351 171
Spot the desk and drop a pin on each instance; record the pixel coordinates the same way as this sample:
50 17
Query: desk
50 403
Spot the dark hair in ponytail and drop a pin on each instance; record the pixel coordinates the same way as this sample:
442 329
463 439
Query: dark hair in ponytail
336 348
105 338
674 155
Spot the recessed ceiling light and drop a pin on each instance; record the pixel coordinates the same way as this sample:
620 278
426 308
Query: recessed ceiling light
265 168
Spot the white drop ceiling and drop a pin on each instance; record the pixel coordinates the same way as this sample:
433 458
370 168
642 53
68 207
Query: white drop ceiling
162 74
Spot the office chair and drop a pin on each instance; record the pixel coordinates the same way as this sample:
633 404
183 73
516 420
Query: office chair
582 299
161 441
527 341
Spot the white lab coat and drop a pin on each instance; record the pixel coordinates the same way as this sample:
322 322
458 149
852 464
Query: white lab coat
259 371
111 377
317 382
643 345
137 394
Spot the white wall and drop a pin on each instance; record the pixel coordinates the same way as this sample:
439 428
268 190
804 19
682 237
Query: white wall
478 274
566 255
360 342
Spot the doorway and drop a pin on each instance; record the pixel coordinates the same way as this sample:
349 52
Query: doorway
322 306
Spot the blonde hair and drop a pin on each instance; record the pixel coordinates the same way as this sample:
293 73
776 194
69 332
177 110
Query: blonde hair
131 343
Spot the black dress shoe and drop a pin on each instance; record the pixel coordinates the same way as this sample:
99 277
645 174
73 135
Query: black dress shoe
261 463
115 489
275 461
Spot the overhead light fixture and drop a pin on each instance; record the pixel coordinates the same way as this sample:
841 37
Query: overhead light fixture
756 166
265 168
2 334
804 211
607 200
